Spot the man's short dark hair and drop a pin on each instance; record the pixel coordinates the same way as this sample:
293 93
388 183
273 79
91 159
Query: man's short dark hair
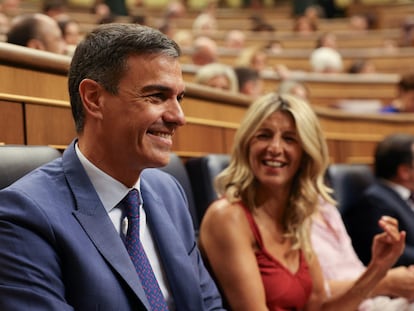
394 150
102 56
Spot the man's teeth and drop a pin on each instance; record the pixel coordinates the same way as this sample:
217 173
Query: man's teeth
161 134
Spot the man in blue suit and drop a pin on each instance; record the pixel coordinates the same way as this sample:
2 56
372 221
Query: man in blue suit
389 195
62 227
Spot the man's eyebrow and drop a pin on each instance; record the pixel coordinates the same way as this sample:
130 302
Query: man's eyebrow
156 87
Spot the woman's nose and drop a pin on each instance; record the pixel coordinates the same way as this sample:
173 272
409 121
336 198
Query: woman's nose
274 145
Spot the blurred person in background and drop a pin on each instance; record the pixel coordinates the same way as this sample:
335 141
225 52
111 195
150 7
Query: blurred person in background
327 39
390 194
184 38
235 39
304 26
294 88
70 32
254 56
326 60
204 51
362 66
404 101
249 81
54 8
218 76
37 31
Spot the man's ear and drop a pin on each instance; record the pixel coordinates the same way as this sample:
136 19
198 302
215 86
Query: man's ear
36 44
90 92
404 172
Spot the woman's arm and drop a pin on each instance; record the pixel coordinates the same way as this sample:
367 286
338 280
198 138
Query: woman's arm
399 282
387 247
227 243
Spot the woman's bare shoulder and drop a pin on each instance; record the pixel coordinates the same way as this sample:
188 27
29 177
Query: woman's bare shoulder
224 211
225 217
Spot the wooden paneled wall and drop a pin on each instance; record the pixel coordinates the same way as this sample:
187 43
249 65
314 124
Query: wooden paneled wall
33 117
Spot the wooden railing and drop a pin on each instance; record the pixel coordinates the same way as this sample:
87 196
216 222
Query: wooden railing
352 137
40 114
33 116
395 61
212 119
30 72
328 90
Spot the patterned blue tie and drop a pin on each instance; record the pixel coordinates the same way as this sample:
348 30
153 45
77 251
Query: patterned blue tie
138 256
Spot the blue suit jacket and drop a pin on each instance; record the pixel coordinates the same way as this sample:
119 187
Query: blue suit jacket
60 251
361 221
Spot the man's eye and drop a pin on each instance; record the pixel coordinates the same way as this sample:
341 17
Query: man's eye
160 96
156 96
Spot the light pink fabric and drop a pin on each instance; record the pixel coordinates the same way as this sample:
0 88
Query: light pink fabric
339 261
333 246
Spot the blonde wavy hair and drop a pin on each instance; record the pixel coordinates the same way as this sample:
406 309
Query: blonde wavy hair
238 183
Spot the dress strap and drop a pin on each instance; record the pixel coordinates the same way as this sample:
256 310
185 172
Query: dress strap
253 225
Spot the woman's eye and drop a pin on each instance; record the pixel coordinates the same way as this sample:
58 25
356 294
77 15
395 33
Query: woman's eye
290 139
262 135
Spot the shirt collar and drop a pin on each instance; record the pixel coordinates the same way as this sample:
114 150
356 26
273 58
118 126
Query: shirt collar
401 190
109 190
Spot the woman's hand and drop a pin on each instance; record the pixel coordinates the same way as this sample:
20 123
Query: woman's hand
387 246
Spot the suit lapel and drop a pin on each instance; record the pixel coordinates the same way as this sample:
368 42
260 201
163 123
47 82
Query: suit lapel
176 262
403 205
95 221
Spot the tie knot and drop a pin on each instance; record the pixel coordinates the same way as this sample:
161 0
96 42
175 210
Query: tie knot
131 203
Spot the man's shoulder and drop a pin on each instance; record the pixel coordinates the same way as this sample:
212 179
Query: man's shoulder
153 173
378 188
42 187
47 173
379 195
157 177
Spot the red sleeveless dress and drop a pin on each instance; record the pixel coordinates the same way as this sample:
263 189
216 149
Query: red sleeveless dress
284 290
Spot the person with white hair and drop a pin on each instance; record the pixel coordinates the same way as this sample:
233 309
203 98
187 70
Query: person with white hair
326 60
235 39
205 24
217 75
204 51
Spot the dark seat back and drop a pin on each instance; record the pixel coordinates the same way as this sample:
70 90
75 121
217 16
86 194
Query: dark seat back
18 160
349 182
202 171
177 169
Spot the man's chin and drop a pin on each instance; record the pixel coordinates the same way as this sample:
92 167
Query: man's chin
161 160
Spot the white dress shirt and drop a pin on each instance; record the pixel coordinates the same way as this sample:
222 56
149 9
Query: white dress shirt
111 192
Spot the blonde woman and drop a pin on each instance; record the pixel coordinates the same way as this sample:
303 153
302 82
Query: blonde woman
256 236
